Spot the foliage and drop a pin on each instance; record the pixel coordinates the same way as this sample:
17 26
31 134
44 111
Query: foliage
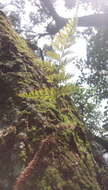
88 104
97 61
105 120
94 69
48 98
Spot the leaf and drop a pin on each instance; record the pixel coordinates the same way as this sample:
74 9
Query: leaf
53 55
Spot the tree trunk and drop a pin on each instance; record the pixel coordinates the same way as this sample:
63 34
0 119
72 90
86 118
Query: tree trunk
36 150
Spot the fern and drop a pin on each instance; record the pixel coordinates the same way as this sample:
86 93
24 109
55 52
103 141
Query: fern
54 70
53 97
53 55
67 90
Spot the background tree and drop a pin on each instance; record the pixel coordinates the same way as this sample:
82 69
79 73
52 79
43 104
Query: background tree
97 62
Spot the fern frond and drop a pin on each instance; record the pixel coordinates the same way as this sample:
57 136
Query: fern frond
63 37
53 55
45 98
54 70
68 90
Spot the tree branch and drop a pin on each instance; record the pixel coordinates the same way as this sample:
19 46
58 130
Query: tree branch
95 20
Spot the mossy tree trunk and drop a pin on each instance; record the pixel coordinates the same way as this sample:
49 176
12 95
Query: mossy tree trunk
36 151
